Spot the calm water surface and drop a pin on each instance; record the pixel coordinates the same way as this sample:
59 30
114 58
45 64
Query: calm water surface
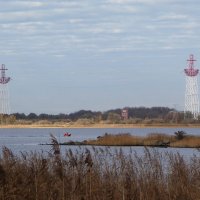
19 140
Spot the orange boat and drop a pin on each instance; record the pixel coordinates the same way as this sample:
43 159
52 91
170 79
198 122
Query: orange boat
67 134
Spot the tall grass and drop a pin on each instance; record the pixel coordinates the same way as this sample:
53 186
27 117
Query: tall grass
98 174
152 139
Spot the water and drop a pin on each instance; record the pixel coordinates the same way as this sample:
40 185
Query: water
20 140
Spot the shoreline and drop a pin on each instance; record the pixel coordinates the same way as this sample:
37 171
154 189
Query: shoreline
76 126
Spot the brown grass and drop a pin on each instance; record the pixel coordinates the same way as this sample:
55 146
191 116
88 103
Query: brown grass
153 139
98 174
48 124
116 140
187 142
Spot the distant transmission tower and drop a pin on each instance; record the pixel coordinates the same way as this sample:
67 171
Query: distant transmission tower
4 92
191 92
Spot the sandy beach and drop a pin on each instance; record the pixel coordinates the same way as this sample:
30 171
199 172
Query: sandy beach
100 126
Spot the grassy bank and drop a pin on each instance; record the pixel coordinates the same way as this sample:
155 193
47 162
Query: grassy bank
160 140
96 125
98 174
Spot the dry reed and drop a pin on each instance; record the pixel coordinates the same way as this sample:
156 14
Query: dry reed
98 174
152 139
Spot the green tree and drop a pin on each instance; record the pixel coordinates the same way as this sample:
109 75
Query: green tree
10 119
114 117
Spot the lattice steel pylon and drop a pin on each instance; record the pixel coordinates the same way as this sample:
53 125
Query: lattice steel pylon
191 92
4 92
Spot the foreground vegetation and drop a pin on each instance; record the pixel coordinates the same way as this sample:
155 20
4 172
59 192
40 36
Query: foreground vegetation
98 174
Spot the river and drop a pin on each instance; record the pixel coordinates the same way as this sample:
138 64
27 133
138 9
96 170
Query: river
29 139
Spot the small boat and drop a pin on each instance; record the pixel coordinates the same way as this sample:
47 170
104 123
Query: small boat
67 134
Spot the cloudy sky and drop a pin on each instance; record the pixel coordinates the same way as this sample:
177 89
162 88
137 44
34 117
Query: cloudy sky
67 55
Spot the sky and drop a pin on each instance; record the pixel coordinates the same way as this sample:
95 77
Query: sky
68 55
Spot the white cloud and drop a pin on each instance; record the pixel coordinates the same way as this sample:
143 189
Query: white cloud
121 8
137 1
18 16
118 1
31 4
75 21
104 30
173 16
111 25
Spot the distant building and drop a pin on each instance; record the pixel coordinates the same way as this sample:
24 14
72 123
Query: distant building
124 114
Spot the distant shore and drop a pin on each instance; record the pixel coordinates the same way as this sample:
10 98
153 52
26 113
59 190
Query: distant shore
100 126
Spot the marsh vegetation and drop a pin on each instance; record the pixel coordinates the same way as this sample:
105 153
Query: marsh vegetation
179 139
98 174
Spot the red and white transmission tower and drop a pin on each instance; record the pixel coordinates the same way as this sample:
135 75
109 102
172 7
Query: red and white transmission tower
4 93
191 92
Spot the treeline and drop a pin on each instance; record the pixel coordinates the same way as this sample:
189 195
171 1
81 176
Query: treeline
134 112
136 115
